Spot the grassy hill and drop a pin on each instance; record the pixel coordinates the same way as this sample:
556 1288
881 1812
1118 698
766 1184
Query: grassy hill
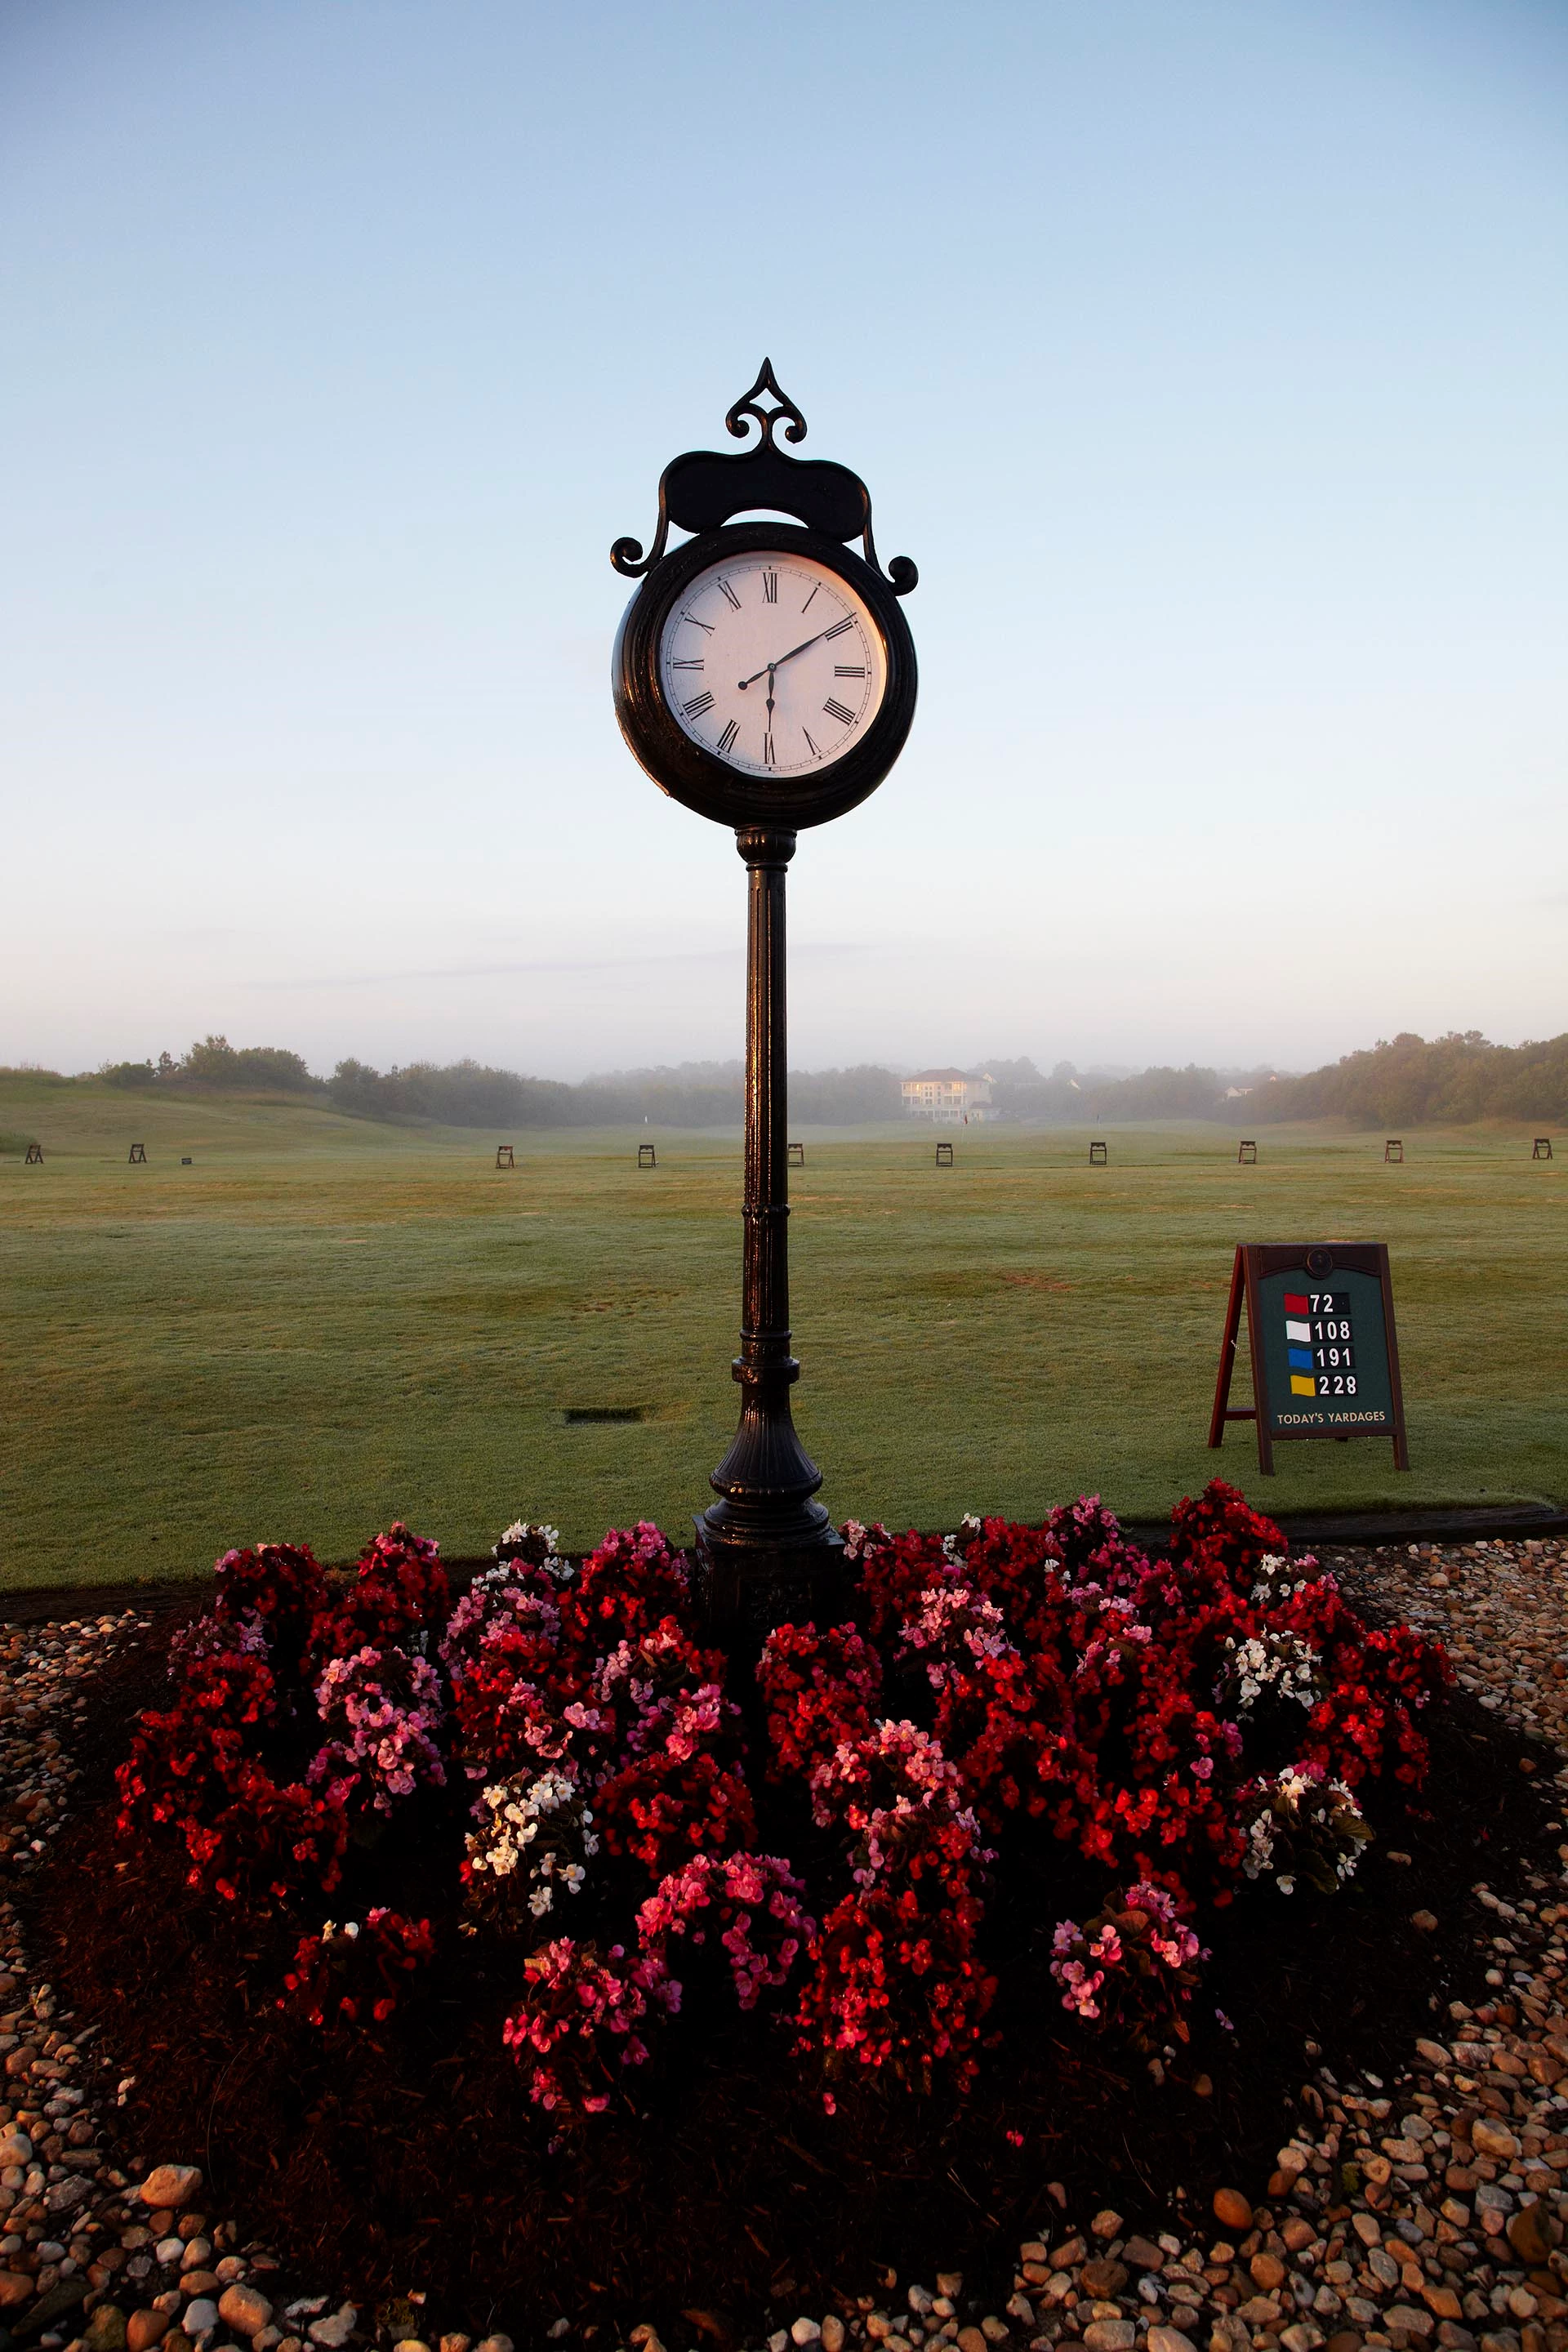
324 1323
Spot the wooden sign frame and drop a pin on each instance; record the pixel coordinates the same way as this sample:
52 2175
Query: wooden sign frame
34 1155
796 1155
1098 1156
646 1156
1278 1416
138 1156
944 1155
1246 1153
1541 1147
505 1156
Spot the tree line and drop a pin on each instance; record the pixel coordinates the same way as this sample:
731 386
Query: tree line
1411 1081
1406 1081
472 1094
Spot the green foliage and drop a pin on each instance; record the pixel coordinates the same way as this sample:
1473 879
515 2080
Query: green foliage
213 1061
1191 1093
697 1095
464 1094
128 1074
1408 1082
843 1097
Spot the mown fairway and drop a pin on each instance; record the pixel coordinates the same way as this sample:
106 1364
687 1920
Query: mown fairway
323 1325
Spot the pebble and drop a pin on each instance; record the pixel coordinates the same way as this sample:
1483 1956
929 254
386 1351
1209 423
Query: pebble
244 2309
332 2334
168 2187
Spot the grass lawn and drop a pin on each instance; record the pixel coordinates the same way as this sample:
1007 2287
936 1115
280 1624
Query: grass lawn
324 1324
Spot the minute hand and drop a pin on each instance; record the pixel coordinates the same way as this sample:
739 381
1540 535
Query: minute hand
783 657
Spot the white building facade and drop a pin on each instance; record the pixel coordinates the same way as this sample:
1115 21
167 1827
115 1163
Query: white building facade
950 1097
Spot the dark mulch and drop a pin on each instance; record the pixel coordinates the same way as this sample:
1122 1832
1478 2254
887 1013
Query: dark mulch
412 2160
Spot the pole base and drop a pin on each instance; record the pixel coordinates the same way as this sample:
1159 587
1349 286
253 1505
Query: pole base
743 1589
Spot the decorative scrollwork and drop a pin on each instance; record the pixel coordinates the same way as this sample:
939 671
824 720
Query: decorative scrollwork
700 491
627 557
747 406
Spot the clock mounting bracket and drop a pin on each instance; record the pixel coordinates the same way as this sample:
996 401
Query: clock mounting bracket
703 490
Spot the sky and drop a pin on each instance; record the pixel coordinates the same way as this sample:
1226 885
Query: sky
1208 359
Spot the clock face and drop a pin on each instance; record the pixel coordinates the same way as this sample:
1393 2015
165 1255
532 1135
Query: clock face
772 664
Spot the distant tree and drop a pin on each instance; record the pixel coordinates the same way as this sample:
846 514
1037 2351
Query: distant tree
1159 1093
1407 1081
355 1087
273 1065
128 1074
843 1097
212 1062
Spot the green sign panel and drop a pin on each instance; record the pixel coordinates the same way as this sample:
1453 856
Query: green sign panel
1320 1327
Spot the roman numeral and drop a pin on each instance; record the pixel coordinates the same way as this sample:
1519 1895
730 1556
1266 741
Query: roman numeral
698 707
706 626
767 751
698 665
809 744
730 594
806 606
837 711
840 670
838 629
728 737
770 587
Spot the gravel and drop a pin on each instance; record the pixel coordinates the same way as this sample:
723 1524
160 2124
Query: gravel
1424 2208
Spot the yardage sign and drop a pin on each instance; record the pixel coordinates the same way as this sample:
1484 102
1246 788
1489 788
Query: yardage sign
1319 1330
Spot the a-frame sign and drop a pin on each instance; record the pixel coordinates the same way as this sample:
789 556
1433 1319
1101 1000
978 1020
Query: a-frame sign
1320 1337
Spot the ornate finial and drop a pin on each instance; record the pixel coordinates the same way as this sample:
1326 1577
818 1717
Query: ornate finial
747 406
701 491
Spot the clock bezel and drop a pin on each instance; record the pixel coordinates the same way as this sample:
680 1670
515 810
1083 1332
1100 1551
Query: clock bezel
695 776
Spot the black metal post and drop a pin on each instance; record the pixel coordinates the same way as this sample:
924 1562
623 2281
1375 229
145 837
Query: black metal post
767 1550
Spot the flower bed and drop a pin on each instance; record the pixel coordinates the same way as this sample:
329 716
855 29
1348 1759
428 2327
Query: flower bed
621 1830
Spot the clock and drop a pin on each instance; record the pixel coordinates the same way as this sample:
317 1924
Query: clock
772 661
763 672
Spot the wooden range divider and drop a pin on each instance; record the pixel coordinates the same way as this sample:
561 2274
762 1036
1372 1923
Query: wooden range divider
1246 1154
504 1156
1541 1147
1393 1150
646 1156
944 1155
1098 1156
